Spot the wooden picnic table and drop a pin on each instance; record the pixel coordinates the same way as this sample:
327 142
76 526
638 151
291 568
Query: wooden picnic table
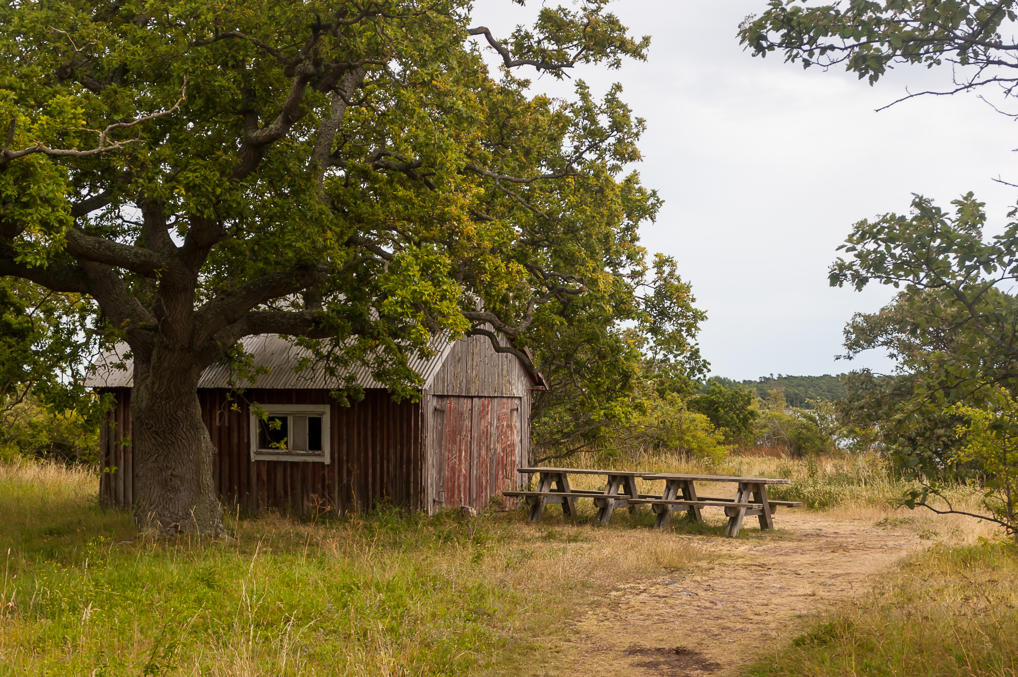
553 487
679 494
750 499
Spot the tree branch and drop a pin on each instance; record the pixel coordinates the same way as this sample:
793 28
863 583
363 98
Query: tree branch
477 169
229 308
305 323
104 145
59 278
258 139
510 62
121 307
329 128
100 250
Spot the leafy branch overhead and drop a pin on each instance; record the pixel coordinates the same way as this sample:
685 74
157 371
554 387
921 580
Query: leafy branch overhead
869 38
426 167
349 171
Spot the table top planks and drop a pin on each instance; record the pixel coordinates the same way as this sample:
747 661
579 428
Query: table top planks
713 478
655 475
581 471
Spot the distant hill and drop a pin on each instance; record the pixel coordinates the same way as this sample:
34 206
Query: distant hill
798 389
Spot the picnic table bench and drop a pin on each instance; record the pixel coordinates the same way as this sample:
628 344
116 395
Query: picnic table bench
553 487
679 494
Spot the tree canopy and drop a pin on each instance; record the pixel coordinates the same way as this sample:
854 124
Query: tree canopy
353 172
868 38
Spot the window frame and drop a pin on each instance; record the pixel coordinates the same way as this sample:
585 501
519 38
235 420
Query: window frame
289 410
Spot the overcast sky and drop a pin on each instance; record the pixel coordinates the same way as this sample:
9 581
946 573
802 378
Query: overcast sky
764 167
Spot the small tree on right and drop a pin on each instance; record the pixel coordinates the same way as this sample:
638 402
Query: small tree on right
990 442
953 329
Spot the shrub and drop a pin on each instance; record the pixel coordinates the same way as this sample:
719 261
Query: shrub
730 409
32 430
665 424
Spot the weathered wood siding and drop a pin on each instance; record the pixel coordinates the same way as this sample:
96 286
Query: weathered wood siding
477 425
461 445
116 483
478 446
474 369
376 455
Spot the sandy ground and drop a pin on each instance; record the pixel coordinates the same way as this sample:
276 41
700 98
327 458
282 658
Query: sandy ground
745 594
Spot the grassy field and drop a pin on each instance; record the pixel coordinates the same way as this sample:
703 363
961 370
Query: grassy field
393 594
953 610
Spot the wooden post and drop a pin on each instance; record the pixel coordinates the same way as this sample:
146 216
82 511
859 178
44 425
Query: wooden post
630 483
735 521
689 493
664 510
537 506
608 505
760 494
568 501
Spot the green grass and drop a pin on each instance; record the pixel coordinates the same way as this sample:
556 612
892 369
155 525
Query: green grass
952 610
81 592
391 594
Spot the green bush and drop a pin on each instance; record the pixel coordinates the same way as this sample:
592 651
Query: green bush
31 430
803 432
665 424
730 409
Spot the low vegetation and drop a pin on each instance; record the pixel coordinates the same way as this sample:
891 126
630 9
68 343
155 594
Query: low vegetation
948 611
392 594
395 594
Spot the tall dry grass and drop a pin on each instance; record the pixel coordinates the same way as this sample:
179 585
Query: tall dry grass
952 610
388 594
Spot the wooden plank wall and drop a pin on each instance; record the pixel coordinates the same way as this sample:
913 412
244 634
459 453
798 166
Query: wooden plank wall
466 425
478 445
376 455
116 483
474 369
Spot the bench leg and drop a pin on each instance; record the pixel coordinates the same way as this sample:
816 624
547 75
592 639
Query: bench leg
760 494
569 502
537 502
630 485
735 521
663 510
536 508
689 493
664 513
604 513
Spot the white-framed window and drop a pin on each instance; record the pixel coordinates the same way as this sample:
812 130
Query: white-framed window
290 432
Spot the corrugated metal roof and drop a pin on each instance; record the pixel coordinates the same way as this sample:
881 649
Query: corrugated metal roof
279 358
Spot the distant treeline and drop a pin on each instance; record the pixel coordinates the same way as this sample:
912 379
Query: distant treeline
798 390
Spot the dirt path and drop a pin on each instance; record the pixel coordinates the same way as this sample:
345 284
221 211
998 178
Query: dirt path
716 617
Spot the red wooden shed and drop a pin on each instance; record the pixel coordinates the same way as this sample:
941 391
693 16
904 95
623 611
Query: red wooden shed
283 442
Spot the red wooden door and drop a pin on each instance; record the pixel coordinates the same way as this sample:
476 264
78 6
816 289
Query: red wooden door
479 447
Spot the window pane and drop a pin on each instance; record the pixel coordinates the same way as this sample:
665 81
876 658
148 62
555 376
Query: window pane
272 433
314 433
299 434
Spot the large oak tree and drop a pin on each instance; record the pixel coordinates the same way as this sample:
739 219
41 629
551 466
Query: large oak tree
352 171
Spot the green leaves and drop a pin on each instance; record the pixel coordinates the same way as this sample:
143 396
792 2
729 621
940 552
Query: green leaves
345 171
868 38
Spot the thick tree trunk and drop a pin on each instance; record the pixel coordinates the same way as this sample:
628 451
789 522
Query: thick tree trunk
174 487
